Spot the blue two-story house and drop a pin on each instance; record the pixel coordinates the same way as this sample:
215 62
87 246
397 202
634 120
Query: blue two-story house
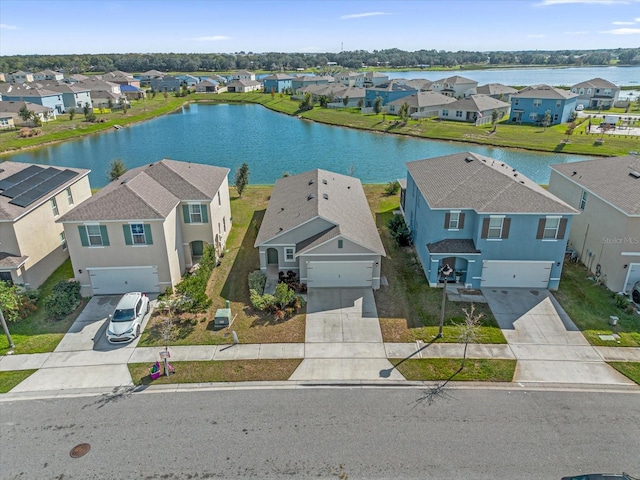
389 92
490 224
531 103
277 83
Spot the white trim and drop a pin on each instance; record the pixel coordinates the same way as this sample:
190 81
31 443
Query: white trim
497 216
630 254
338 254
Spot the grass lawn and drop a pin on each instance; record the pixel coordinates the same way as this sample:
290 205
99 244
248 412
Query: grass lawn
590 307
8 380
408 308
628 369
37 333
229 281
219 371
482 370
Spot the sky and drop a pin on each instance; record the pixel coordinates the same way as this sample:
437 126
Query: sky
221 26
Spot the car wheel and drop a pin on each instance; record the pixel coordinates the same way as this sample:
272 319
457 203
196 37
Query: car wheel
636 296
137 331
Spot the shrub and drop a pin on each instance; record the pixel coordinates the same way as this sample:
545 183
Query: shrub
15 304
399 230
194 287
392 188
64 299
622 301
257 281
284 303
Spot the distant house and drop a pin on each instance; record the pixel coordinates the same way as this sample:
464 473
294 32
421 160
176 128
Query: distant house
531 103
102 91
474 108
388 92
277 83
335 92
189 80
421 84
6 120
146 77
372 79
19 77
244 86
132 92
144 230
486 221
455 86
39 96
596 93
121 78
73 96
497 91
421 104
243 75
13 108
351 79
300 82
606 234
47 76
32 198
165 83
210 86
319 225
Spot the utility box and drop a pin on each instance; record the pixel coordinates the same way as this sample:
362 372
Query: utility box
222 318
611 120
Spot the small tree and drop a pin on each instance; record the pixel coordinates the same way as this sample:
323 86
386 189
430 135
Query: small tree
10 300
361 103
72 113
86 109
242 178
110 103
37 121
495 116
125 105
399 230
377 105
117 168
404 111
546 120
392 188
345 100
24 113
324 101
307 102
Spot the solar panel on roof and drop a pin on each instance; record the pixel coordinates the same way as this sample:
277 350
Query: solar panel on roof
45 187
18 177
29 183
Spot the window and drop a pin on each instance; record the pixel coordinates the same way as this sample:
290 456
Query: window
224 224
459 113
195 213
54 207
63 241
537 102
454 220
445 113
551 228
533 117
588 91
6 277
219 199
137 234
558 103
582 91
94 235
583 200
515 101
69 196
340 243
289 254
555 117
495 227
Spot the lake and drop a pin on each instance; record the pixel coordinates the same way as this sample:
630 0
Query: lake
270 143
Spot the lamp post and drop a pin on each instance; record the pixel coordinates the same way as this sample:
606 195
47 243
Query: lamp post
445 271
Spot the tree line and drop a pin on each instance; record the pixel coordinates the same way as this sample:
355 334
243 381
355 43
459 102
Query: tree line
278 61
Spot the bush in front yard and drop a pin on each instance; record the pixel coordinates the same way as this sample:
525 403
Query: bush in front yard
257 281
399 230
64 299
285 303
194 287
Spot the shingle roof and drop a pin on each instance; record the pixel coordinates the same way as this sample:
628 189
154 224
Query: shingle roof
609 179
478 103
150 192
544 91
278 76
482 184
456 80
453 245
14 107
595 82
11 261
393 86
300 198
425 99
496 89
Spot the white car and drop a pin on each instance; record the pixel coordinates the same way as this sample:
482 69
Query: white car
125 324
635 293
580 107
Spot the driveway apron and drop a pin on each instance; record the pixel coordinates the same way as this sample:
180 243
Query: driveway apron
544 340
343 340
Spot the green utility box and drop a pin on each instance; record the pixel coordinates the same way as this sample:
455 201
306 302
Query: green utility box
222 318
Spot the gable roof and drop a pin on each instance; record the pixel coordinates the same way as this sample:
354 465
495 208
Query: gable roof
150 192
278 76
425 99
595 82
544 91
496 89
478 103
471 181
393 86
336 198
456 80
609 178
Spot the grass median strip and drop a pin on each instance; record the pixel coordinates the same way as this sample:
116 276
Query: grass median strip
478 370
630 370
8 380
219 371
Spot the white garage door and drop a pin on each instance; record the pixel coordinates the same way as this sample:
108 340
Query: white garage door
109 281
633 276
340 274
497 273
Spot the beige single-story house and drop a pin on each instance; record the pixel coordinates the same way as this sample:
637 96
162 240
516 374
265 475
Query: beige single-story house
144 230
319 225
606 234
474 108
32 198
244 86
421 104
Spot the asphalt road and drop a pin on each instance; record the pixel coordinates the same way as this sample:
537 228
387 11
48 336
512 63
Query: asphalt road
336 433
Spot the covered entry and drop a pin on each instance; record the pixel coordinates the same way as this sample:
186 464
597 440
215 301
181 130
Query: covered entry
523 274
115 280
340 274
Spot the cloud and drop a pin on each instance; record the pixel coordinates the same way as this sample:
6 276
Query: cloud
623 31
580 32
545 3
362 15
4 26
536 35
212 38
622 23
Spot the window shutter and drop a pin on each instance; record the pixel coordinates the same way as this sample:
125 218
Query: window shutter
204 213
185 214
562 228
540 232
84 240
506 224
126 229
447 219
147 234
461 221
104 235
485 228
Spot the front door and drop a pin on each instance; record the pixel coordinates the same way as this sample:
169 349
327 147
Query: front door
197 248
272 256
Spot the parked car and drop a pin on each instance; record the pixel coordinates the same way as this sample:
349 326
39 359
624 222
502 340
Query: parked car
580 107
125 324
635 293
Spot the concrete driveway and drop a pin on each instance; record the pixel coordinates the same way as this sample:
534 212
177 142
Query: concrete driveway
544 340
343 340
84 358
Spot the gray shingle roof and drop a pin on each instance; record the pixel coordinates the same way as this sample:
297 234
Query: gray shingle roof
453 245
595 82
544 91
425 99
496 89
483 184
9 260
479 103
299 198
609 179
150 192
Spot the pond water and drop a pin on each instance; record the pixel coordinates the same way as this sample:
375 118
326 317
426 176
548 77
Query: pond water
270 143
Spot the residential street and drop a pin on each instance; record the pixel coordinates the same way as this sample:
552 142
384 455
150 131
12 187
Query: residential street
359 433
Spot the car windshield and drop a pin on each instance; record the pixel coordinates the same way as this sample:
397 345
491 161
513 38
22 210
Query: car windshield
123 315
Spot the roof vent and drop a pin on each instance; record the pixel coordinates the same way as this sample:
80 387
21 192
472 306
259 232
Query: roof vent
522 182
515 174
634 174
325 196
312 181
310 196
468 159
574 173
124 181
324 181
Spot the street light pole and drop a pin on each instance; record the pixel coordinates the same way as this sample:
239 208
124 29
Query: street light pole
445 271
6 330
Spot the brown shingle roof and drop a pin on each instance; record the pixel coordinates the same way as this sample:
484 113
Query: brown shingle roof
482 184
339 199
544 91
595 82
150 192
609 179
496 89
